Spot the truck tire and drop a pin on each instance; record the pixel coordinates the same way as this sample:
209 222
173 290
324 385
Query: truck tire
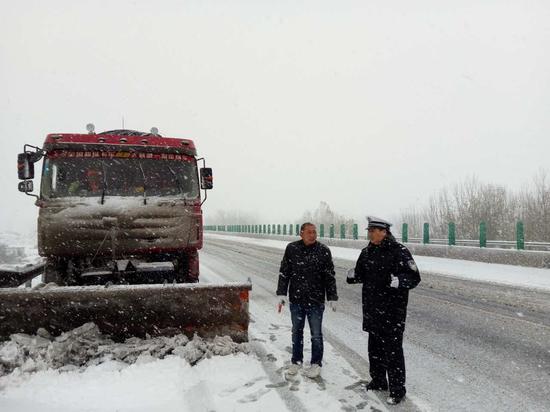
192 266
55 271
187 267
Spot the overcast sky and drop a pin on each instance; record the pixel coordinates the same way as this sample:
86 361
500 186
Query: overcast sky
371 106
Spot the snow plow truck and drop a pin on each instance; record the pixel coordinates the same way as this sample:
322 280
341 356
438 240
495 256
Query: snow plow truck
119 227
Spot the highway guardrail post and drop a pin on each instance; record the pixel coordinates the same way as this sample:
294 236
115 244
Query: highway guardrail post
482 234
426 237
520 236
452 234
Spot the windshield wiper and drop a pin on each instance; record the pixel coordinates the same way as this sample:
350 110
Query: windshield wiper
104 183
144 187
180 186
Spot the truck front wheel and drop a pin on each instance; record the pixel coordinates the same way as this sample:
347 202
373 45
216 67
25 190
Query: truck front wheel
187 270
55 271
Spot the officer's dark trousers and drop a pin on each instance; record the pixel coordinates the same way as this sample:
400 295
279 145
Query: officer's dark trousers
386 356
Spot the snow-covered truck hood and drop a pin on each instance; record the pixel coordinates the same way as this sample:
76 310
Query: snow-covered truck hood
74 226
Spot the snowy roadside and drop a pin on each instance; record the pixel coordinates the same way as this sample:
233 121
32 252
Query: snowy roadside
81 368
485 272
144 380
239 381
18 251
84 371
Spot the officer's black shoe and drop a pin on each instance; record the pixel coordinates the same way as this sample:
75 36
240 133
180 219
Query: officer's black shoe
375 385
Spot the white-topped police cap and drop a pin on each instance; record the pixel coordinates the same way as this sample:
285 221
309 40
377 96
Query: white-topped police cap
377 222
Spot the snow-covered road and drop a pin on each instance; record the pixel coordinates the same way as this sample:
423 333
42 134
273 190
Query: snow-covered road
473 342
527 277
237 382
469 344
340 386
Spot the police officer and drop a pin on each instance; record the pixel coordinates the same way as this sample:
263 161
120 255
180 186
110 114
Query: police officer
387 271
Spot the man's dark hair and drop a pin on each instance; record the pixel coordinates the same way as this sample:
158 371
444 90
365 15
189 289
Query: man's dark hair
304 225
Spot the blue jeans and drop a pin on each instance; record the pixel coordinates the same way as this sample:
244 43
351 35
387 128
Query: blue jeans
314 316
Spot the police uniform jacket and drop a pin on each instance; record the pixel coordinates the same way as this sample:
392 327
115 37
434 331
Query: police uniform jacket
385 307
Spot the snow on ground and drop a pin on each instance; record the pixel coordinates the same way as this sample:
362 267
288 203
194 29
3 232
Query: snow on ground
84 371
138 377
463 269
18 250
170 384
146 376
339 388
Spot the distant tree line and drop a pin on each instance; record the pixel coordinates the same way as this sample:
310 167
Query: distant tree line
470 202
325 215
233 217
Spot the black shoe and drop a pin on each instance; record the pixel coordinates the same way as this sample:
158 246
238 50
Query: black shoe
395 398
377 386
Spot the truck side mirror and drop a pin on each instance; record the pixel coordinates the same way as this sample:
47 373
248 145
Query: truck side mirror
26 186
206 178
25 167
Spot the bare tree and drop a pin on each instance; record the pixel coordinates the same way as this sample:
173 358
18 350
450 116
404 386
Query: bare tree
469 203
414 219
324 214
535 208
232 217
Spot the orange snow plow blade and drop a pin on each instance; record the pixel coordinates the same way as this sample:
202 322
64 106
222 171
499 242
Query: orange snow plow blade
125 311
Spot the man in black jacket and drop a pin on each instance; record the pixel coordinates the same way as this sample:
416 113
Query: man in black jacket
307 275
387 271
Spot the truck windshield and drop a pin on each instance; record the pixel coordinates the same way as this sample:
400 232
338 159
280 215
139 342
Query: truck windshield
87 177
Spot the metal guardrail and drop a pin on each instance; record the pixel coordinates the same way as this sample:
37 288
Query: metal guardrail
502 244
343 231
493 244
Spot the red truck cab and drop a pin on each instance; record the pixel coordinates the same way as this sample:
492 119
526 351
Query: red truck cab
120 206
